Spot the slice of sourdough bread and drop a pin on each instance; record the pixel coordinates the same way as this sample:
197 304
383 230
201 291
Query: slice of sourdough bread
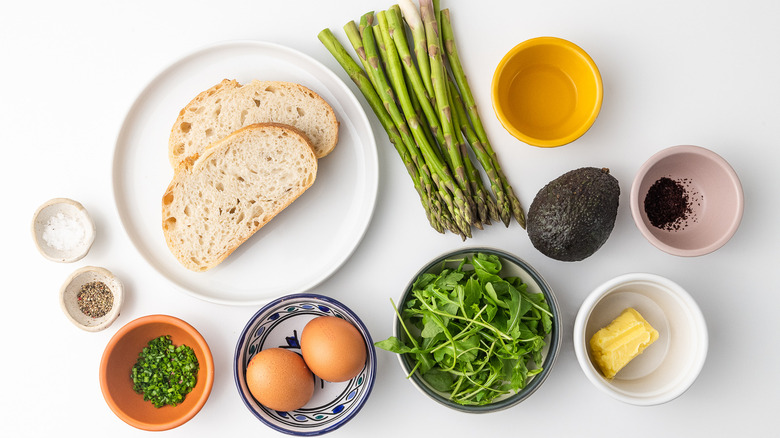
229 106
219 198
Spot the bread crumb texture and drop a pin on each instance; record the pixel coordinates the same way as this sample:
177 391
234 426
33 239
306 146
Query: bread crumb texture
232 190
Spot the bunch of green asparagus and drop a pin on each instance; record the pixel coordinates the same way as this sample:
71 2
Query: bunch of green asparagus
426 106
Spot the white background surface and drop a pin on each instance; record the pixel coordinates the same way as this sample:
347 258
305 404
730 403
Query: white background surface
691 72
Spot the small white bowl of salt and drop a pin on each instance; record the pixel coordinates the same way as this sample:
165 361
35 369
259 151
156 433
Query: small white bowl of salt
63 230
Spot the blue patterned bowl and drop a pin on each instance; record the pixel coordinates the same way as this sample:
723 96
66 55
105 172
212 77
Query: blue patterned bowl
279 324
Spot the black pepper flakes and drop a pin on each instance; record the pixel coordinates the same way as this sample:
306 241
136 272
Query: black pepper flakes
95 299
668 204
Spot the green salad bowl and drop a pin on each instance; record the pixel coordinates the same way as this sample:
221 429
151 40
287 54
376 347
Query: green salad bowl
523 308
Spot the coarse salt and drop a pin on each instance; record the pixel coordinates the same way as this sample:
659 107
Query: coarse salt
63 232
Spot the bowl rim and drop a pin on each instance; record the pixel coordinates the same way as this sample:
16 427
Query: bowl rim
549 360
119 298
547 41
636 210
691 308
208 367
371 357
91 231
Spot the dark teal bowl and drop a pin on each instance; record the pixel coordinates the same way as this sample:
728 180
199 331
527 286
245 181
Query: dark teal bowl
511 266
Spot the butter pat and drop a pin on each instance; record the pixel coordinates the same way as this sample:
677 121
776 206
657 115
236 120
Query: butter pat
625 338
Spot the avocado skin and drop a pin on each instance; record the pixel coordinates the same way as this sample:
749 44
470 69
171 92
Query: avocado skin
573 215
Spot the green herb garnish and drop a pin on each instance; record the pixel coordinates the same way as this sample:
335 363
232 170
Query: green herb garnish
478 335
164 373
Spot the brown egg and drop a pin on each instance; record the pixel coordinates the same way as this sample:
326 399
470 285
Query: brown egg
333 348
279 379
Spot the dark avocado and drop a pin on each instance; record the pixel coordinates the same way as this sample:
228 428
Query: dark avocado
573 215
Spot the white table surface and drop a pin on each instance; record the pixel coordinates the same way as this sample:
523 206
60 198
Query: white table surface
690 72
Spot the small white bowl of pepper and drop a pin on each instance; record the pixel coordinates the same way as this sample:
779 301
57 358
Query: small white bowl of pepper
91 298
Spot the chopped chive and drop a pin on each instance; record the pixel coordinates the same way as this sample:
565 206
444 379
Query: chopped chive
159 367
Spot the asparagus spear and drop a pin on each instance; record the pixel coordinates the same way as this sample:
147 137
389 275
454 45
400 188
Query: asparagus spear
498 209
367 46
421 115
471 109
472 175
399 85
439 80
435 180
483 203
441 215
375 50
360 79
380 45
422 112
396 30
385 91
420 98
412 17
502 203
353 34
415 83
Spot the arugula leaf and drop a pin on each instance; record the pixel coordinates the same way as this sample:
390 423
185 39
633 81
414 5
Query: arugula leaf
471 332
423 280
466 350
431 329
515 309
486 262
487 277
439 380
519 373
393 345
472 292
429 343
424 363
546 322
490 312
492 293
449 280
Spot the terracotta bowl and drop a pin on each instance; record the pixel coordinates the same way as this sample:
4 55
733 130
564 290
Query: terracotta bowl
121 354
715 200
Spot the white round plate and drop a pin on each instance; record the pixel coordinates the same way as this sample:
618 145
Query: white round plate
301 246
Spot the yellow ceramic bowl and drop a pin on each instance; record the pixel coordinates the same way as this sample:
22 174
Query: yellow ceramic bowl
547 91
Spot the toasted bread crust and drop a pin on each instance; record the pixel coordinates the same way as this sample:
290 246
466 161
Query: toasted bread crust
228 106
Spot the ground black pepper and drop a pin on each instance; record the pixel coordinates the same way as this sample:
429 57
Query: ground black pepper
95 299
668 204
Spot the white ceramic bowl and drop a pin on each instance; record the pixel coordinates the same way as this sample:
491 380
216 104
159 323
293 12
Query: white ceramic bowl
69 298
62 230
669 366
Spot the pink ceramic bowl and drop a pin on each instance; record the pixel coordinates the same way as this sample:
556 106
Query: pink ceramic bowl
712 200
